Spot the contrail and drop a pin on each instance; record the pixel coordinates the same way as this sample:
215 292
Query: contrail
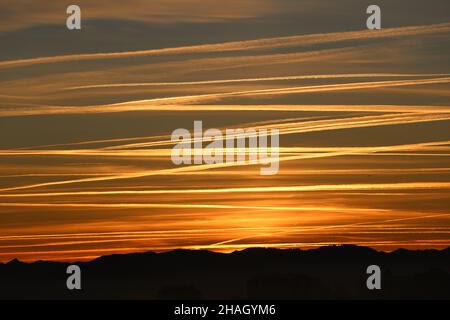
283 91
190 206
158 103
284 128
329 227
194 168
269 79
285 108
302 188
311 126
259 44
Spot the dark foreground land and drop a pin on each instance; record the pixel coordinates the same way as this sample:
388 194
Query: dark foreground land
337 272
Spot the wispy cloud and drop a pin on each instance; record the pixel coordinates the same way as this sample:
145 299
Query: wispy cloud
249 45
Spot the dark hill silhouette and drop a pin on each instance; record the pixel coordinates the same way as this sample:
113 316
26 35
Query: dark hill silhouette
328 272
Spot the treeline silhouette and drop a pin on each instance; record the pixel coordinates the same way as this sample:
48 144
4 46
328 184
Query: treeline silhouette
334 272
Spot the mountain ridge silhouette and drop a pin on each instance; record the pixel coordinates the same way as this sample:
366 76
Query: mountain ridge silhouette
329 272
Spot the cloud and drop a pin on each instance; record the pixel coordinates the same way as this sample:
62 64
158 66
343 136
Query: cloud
248 45
16 15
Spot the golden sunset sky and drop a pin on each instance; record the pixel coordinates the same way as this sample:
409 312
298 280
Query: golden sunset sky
86 118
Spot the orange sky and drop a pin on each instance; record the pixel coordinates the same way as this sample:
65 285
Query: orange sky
85 166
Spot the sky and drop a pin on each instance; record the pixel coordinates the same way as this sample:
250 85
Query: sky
86 118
